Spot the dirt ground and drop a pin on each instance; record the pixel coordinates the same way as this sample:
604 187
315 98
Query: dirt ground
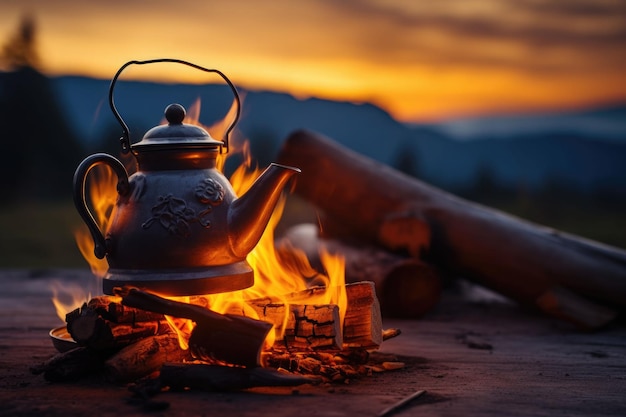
472 359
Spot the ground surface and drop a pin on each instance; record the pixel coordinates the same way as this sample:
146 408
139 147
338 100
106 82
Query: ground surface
472 359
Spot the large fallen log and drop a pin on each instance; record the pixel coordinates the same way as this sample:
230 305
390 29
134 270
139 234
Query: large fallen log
515 257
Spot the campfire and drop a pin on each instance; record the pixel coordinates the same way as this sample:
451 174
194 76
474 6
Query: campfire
296 324
309 316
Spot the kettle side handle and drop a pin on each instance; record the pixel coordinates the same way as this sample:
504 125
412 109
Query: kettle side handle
80 180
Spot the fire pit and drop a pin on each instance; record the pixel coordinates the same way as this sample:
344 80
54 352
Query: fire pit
162 333
181 254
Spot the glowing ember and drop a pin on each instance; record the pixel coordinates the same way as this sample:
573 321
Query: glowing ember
275 278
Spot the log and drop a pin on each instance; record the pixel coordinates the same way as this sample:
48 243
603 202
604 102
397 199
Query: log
318 327
407 287
110 308
89 328
72 365
306 326
233 339
224 378
517 258
362 325
144 357
569 306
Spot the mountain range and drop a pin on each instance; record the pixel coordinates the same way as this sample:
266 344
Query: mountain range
581 150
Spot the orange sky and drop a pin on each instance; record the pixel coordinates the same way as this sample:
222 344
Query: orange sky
420 60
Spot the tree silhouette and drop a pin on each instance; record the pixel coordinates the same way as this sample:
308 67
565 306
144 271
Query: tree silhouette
21 50
39 150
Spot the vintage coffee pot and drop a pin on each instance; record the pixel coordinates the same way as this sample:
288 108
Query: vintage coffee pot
177 227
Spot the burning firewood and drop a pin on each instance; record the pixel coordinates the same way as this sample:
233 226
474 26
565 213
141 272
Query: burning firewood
110 308
102 324
339 367
144 357
307 327
318 326
514 257
362 326
234 339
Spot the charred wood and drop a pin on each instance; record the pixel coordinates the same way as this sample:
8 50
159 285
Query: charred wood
302 327
89 328
144 357
225 378
319 326
72 365
225 337
110 308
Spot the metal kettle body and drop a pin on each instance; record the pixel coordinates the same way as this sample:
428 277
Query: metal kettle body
178 228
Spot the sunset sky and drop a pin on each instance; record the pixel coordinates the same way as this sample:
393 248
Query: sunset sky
420 60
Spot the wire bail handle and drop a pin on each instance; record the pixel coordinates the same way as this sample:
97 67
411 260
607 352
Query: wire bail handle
125 138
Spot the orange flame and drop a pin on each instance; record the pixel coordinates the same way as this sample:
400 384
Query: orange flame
67 297
102 195
276 279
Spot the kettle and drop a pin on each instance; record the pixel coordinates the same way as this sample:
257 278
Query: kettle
177 227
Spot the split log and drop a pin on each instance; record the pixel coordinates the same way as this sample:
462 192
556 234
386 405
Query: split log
89 328
224 378
110 308
517 258
72 365
362 325
318 326
234 339
406 286
144 357
303 327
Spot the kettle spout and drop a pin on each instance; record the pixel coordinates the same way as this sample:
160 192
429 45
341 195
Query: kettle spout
249 214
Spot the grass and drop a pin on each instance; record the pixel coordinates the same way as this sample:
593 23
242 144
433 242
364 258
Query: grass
42 235
39 235
599 221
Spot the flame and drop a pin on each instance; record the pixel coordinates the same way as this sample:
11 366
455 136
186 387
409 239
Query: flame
182 327
102 195
67 297
277 279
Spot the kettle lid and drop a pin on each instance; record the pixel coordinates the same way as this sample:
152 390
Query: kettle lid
176 134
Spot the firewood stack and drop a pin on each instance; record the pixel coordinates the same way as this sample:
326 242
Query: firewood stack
128 338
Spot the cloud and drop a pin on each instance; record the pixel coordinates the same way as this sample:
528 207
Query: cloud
532 35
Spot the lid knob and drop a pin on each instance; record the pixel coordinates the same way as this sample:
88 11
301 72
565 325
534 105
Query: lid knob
175 114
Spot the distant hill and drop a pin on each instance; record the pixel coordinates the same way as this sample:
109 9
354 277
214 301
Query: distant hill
607 123
582 150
